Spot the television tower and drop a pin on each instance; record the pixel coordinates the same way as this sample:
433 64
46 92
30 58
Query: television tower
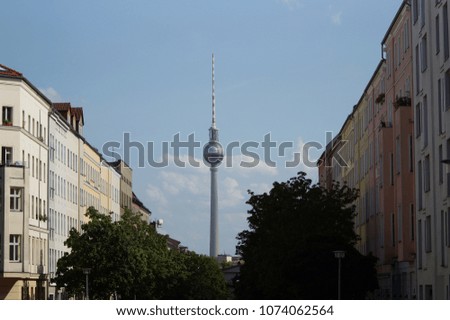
213 156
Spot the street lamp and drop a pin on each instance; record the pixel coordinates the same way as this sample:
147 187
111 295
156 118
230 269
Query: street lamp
339 254
86 271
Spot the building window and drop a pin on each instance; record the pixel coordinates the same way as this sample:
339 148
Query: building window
423 54
418 120
396 54
440 99
388 63
447 228
445 30
393 229
7 115
426 178
419 245
389 114
406 40
422 12
441 165
417 69
14 248
32 208
425 121
438 40
398 154
15 199
7 156
448 172
411 154
415 6
413 221
428 287
428 234
444 231
391 177
447 90
419 185
52 148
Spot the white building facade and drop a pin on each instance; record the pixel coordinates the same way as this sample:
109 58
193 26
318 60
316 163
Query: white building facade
63 185
23 188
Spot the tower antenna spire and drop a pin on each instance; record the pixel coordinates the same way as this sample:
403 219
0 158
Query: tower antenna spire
213 97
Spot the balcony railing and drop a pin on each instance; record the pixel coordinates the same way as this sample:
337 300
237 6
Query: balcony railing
13 164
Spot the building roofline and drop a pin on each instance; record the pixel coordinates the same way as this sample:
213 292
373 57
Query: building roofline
355 107
391 26
369 83
117 162
15 75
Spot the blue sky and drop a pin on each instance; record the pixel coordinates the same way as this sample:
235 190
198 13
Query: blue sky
291 68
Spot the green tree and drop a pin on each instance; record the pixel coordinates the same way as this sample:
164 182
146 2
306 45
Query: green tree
130 260
288 249
122 257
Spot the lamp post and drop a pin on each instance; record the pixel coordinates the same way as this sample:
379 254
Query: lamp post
86 271
339 254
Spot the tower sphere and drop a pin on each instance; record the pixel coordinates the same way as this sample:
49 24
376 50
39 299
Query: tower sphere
213 153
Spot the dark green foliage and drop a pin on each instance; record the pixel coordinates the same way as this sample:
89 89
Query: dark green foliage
198 278
130 260
288 251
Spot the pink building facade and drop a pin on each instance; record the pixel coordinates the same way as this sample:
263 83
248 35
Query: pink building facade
379 152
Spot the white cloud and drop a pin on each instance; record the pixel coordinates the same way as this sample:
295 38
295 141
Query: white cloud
243 166
291 4
52 94
181 182
260 188
156 196
336 18
233 194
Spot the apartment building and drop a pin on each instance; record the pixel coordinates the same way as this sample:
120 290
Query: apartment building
139 207
431 77
63 191
49 175
377 145
400 251
126 186
23 188
110 191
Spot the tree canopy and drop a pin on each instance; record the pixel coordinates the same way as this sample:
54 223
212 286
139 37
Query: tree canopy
128 259
288 249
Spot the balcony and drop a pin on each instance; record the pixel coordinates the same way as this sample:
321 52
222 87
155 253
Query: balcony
402 102
13 164
380 98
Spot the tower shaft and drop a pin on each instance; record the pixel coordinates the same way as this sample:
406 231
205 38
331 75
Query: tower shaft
214 224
